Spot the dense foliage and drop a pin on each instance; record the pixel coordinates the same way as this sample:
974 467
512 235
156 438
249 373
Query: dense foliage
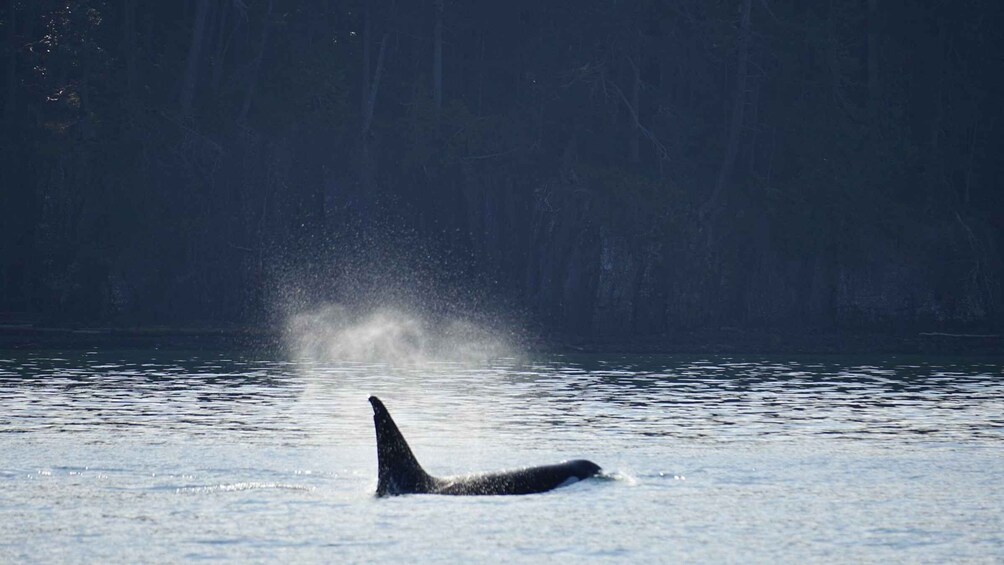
617 167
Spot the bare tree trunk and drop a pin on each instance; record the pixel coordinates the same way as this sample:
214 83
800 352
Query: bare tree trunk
373 88
129 46
367 39
635 98
221 43
481 72
368 114
253 79
873 53
437 61
8 111
194 54
738 108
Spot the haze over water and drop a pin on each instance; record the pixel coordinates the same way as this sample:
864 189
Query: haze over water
156 456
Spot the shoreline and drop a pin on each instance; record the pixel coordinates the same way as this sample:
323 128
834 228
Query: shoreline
781 343
22 337
27 336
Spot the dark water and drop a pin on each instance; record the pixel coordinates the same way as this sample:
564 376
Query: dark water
153 456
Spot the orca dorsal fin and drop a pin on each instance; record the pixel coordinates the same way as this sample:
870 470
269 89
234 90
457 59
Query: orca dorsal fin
399 471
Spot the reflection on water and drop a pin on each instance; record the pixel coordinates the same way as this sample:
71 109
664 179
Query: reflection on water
721 399
249 458
728 399
88 392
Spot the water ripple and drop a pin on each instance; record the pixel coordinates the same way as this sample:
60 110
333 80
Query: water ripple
239 487
720 398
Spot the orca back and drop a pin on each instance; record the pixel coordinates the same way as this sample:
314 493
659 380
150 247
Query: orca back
398 470
400 473
529 480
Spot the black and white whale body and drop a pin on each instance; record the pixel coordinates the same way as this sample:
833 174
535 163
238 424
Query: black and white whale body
400 473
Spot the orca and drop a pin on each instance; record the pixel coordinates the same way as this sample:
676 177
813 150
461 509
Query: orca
400 473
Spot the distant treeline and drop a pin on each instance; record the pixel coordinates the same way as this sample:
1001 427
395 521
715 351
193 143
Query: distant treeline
610 167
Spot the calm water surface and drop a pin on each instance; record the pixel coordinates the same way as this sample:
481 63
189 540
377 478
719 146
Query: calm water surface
154 456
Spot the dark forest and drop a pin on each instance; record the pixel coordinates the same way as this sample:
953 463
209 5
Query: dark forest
594 168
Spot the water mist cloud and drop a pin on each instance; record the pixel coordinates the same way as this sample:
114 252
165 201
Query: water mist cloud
383 296
393 335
